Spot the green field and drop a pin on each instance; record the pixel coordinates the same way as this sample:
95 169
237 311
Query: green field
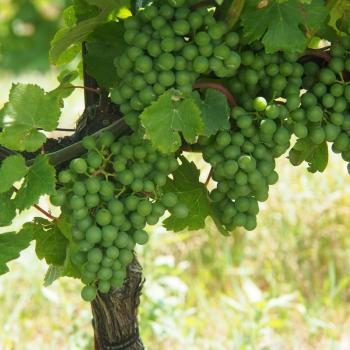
285 285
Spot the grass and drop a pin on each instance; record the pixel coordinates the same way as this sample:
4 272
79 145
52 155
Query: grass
283 286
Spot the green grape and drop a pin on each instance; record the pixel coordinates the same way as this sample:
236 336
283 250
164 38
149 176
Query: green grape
93 234
109 233
180 211
65 176
106 188
85 223
201 64
166 79
202 38
122 240
105 273
165 61
246 162
327 76
105 139
79 188
103 217
79 258
268 126
169 200
232 39
58 198
89 142
104 286
190 52
260 104
79 214
314 114
85 246
328 100
77 235
300 130
76 202
337 118
181 27
317 135
332 131
95 255
341 143
144 208
94 160
140 237
88 293
140 40
125 256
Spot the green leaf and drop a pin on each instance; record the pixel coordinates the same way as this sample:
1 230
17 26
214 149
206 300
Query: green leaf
12 169
169 116
7 208
339 14
67 41
67 268
103 46
28 109
215 111
39 181
280 24
51 244
52 274
190 191
315 155
11 245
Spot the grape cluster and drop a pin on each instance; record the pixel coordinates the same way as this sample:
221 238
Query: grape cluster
323 113
243 161
169 46
273 76
109 195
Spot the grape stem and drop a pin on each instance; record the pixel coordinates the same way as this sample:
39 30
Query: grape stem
234 12
37 207
209 176
46 213
219 87
96 91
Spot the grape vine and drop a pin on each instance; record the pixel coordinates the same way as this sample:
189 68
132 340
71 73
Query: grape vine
184 76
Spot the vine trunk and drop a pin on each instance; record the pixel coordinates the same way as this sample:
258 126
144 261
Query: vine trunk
115 320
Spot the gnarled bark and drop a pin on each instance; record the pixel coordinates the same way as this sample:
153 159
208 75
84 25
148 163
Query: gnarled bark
115 314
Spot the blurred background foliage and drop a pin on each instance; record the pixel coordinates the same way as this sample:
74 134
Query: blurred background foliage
285 285
26 28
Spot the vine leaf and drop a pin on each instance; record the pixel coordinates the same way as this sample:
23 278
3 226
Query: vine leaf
66 43
66 267
194 194
191 192
51 244
279 24
215 111
7 208
40 180
28 109
339 10
169 116
315 155
12 243
52 274
13 168
103 46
